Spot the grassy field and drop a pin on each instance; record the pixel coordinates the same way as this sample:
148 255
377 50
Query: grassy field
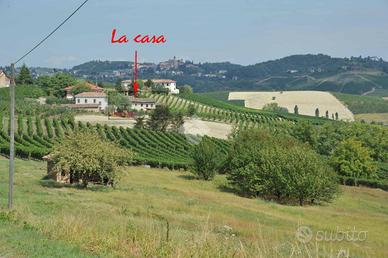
363 104
373 117
157 212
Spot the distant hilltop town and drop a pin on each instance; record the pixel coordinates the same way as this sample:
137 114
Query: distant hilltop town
355 75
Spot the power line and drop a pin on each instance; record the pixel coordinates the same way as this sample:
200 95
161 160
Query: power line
12 107
52 32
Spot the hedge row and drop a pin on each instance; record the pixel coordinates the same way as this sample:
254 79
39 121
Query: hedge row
373 183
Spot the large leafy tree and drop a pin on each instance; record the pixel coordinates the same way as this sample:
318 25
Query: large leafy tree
24 76
85 157
281 168
352 159
186 89
54 86
160 118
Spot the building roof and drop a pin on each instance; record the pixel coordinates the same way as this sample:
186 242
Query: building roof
163 81
3 73
81 105
91 94
153 80
141 100
92 87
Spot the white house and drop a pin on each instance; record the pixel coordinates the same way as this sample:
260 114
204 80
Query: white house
92 98
5 81
142 104
166 83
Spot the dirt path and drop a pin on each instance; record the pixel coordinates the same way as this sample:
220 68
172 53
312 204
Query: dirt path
192 126
103 120
369 92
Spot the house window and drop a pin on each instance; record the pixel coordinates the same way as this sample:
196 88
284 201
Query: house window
141 105
152 105
94 100
78 100
86 101
99 102
146 105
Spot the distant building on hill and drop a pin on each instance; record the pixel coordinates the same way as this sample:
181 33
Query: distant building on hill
5 81
96 101
166 83
92 88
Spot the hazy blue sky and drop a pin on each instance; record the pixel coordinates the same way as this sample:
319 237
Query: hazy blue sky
240 31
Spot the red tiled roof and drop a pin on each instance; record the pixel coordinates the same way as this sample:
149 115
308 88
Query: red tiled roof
92 87
91 94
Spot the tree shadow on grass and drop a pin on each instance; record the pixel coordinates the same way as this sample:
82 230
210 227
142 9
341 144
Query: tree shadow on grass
49 183
188 177
226 188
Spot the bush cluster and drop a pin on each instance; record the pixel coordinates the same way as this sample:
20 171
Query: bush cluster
280 168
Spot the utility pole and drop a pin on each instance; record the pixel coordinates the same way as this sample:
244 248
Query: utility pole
11 136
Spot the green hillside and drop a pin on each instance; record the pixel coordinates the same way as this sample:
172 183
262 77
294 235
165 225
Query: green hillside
160 213
363 104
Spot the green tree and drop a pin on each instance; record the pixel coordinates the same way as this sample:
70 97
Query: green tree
149 84
296 110
351 159
274 107
177 121
206 159
140 123
305 132
186 89
85 157
261 164
191 110
120 101
317 112
24 76
160 118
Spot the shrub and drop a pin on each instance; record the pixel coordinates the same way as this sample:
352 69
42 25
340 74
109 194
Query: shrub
206 159
85 157
274 107
351 159
280 168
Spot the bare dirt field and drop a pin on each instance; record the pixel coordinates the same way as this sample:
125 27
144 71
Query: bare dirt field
103 120
192 126
213 129
307 102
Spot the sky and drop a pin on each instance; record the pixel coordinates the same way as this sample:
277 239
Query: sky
239 31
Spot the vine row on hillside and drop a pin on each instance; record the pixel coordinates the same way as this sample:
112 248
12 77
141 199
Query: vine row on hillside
35 136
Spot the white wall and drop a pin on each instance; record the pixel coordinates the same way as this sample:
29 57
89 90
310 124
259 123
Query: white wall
102 101
143 106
